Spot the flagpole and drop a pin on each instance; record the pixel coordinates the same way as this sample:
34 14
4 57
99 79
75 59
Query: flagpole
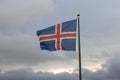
79 47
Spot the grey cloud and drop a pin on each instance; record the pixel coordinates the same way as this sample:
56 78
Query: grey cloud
23 50
109 71
100 21
15 11
28 74
19 45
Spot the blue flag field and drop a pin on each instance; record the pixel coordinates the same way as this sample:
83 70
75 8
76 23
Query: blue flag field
61 36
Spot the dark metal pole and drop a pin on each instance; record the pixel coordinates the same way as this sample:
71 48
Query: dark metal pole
79 48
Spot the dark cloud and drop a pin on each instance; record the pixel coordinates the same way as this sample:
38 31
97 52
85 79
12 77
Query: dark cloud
110 71
28 74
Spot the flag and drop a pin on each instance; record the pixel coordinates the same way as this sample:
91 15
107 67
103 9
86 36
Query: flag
61 36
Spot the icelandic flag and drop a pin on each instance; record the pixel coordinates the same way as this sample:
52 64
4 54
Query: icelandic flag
61 36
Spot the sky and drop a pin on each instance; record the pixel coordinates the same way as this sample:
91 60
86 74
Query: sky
22 59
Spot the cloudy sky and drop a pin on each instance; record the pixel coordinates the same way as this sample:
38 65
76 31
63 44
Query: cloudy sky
21 57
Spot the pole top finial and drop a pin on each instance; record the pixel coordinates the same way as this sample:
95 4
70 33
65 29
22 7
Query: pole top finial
78 14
